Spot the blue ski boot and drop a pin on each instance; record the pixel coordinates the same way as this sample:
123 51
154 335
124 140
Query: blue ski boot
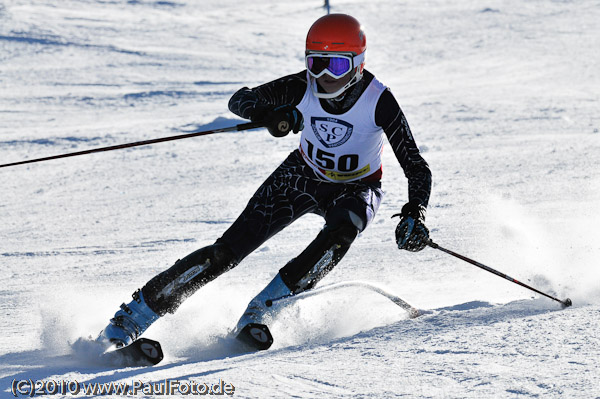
251 328
129 323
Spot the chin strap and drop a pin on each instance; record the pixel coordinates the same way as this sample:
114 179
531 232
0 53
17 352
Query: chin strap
315 88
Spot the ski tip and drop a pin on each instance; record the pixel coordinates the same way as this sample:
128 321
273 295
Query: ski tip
256 336
567 302
151 350
142 352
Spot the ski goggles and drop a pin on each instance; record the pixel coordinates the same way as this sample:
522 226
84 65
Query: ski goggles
335 65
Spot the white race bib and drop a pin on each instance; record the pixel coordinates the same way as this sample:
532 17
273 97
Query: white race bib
345 147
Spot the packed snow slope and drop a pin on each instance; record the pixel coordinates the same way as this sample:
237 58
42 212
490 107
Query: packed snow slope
503 100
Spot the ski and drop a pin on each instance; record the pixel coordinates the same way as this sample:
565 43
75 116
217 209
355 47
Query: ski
142 352
412 311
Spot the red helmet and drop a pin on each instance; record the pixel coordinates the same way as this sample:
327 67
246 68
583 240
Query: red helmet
336 32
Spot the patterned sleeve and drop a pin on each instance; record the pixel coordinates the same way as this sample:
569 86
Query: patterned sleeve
390 117
287 90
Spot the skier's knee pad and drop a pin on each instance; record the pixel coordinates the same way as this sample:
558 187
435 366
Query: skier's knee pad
341 216
165 292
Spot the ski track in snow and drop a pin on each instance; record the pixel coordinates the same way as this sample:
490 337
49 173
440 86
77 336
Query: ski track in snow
502 98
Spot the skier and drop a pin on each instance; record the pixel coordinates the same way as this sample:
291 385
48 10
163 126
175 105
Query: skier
335 173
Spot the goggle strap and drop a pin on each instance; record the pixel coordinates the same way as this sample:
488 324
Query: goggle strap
359 59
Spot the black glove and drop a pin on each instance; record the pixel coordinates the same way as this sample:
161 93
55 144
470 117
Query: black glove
411 232
279 120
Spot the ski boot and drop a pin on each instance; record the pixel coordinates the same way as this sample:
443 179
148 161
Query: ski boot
251 328
128 323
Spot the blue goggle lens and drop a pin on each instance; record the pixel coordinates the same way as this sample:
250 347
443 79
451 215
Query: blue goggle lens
336 65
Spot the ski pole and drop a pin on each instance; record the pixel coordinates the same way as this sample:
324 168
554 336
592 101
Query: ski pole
566 303
236 128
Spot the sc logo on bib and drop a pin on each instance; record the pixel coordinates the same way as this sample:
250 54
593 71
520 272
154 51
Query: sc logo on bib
331 132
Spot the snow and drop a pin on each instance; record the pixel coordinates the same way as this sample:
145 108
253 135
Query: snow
502 97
